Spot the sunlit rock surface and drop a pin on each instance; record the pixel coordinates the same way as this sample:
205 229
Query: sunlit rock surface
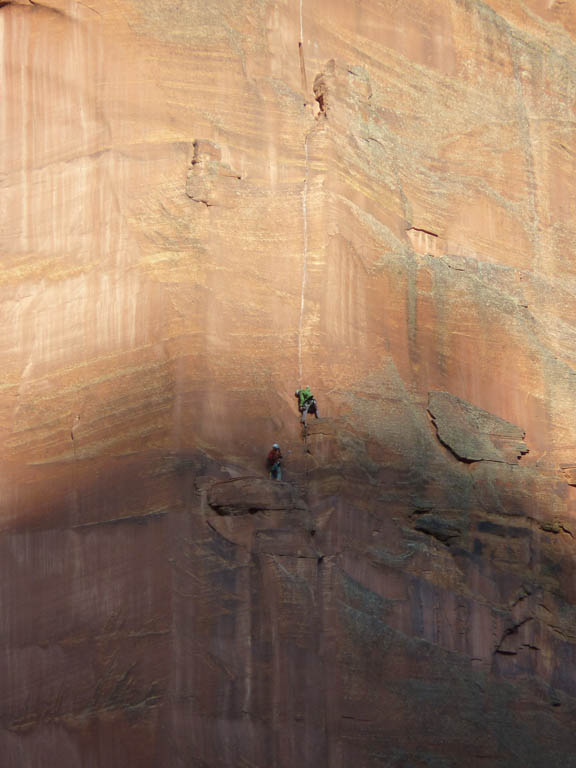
205 205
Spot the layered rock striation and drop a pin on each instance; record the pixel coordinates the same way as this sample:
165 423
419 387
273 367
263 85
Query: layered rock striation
206 205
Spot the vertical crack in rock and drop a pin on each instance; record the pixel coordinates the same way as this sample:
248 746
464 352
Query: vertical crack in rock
301 51
72 430
304 255
302 68
527 141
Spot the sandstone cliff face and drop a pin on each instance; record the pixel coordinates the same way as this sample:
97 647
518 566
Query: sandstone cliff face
205 205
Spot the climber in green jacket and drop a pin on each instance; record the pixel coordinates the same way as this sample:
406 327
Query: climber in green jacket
306 403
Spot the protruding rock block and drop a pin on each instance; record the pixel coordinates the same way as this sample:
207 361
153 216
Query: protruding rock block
323 84
342 86
473 434
247 495
569 472
440 528
210 181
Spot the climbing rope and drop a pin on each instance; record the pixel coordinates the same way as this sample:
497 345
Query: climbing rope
304 256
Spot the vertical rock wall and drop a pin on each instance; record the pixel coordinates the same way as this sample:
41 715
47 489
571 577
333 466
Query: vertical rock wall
205 205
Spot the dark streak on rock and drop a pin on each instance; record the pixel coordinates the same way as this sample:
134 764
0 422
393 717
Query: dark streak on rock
302 67
356 719
137 519
199 200
419 229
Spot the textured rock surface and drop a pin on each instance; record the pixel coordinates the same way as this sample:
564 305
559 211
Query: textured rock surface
473 434
204 205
